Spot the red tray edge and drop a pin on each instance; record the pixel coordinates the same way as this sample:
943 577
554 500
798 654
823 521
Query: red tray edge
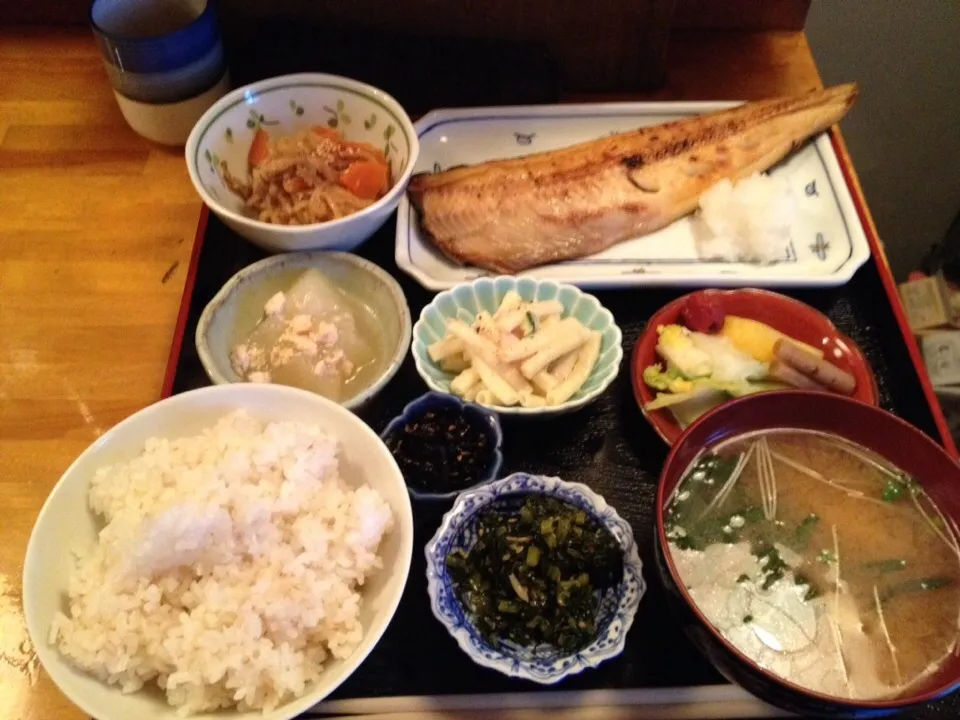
893 294
173 360
876 248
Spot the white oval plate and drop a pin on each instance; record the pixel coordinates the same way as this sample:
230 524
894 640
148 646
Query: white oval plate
826 247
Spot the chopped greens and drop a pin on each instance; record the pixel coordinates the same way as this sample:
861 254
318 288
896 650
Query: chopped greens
885 566
826 557
531 323
773 565
896 488
699 532
915 586
753 514
803 533
533 576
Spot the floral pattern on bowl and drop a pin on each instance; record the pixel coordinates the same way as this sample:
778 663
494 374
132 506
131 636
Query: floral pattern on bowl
287 105
226 140
465 301
544 664
486 420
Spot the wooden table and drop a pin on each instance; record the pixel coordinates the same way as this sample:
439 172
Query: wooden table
96 232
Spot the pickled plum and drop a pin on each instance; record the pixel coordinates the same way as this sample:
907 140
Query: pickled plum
702 313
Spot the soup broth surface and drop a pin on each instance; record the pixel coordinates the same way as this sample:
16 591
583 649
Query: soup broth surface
316 336
819 560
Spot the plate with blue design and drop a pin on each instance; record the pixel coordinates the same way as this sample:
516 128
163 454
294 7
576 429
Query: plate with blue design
617 605
826 245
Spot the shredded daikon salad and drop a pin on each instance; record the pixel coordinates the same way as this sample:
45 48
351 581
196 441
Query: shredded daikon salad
525 353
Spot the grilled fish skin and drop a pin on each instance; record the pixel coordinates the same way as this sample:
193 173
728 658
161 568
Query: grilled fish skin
512 215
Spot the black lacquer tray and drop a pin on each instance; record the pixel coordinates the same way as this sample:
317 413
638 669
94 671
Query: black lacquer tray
607 445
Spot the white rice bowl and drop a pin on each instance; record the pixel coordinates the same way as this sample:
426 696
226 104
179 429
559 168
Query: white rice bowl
254 567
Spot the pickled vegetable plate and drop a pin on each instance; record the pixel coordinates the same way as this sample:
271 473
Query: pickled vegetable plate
764 314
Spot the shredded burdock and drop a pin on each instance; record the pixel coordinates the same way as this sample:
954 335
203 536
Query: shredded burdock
311 177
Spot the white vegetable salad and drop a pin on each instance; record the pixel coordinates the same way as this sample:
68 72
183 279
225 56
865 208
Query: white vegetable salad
524 354
708 357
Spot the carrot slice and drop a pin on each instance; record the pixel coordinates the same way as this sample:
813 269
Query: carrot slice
259 148
326 132
366 179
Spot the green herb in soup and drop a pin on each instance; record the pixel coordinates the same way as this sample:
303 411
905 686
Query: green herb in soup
535 574
847 570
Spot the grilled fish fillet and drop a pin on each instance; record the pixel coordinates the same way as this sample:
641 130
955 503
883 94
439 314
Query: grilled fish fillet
511 215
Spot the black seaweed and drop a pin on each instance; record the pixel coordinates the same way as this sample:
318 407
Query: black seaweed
441 451
773 565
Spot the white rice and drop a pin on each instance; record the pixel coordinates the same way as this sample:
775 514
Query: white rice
749 221
228 569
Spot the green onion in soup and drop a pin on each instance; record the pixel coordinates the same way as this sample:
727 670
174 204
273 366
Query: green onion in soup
818 560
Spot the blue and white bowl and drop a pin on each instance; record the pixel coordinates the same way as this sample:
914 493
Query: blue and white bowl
153 55
465 301
546 665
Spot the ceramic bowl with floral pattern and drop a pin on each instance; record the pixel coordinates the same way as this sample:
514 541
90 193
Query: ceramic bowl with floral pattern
616 609
465 301
284 106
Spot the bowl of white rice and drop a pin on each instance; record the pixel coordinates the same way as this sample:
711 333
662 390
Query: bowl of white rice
236 550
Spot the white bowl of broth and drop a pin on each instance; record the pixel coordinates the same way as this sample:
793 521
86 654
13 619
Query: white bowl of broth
328 322
809 544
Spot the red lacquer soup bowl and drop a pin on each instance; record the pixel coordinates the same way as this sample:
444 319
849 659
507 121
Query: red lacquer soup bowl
791 317
885 434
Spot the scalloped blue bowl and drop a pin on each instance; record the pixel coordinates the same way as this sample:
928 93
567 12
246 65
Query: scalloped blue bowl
486 420
465 301
545 665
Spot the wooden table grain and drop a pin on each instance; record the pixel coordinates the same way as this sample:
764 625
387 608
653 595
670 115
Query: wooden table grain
96 231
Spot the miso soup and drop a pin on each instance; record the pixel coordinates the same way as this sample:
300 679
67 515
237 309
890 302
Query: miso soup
820 561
